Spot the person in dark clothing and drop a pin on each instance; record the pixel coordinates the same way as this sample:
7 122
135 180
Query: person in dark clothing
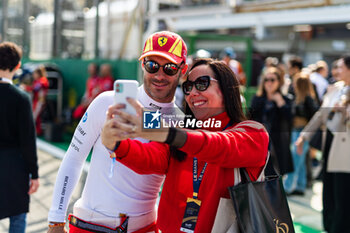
334 73
304 107
295 65
18 158
272 109
336 147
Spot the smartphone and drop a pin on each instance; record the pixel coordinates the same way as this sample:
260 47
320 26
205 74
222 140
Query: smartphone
124 89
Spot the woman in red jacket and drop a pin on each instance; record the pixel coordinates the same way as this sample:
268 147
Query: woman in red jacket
199 164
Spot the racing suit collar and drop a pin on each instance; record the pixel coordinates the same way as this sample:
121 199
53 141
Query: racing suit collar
150 103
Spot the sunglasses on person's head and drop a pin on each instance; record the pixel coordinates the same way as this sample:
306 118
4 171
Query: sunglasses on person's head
153 67
201 83
270 80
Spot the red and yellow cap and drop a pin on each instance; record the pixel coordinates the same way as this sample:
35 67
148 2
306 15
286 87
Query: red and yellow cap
165 44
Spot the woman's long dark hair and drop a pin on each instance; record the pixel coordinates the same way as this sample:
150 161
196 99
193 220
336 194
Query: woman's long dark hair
229 86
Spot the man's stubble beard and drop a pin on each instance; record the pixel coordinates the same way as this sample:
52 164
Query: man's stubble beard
167 95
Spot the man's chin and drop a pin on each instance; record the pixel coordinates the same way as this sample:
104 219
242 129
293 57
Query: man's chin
161 96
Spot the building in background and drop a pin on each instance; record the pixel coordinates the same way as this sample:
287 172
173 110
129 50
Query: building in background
119 31
313 29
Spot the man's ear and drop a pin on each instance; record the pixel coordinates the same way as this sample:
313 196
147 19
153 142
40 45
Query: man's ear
184 70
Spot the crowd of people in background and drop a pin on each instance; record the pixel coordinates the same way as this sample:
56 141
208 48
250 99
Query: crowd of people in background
296 104
37 87
99 80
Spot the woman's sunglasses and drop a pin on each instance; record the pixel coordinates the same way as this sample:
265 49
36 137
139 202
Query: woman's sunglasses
201 83
153 67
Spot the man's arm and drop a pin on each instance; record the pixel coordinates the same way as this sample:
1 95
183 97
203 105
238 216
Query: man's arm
85 135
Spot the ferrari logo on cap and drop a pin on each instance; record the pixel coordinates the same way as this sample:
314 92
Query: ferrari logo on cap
162 41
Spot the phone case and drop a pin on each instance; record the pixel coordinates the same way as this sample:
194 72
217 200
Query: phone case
124 89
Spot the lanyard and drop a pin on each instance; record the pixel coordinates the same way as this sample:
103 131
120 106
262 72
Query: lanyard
197 180
6 80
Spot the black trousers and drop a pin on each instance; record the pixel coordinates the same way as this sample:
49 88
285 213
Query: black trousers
336 200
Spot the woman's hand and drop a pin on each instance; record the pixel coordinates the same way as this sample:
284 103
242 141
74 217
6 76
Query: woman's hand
277 97
339 107
121 125
132 125
299 143
111 131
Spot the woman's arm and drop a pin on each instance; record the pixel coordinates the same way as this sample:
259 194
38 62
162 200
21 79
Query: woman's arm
117 133
120 125
244 145
144 158
309 130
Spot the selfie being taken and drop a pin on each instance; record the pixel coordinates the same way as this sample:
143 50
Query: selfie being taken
135 116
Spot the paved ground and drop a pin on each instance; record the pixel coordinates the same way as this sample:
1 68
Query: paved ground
41 200
305 210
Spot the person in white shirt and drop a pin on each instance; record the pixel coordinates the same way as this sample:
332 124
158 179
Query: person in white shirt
319 79
114 195
334 113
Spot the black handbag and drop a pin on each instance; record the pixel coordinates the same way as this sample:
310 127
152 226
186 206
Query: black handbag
316 140
261 207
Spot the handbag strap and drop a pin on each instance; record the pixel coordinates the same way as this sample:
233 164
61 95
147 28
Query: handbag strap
244 174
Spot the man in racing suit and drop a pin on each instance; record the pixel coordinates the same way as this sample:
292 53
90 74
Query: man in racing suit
113 194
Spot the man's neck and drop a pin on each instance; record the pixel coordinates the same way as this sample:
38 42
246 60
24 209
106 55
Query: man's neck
347 81
6 74
151 102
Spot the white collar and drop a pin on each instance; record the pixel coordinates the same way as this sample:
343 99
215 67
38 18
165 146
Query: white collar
150 103
6 80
